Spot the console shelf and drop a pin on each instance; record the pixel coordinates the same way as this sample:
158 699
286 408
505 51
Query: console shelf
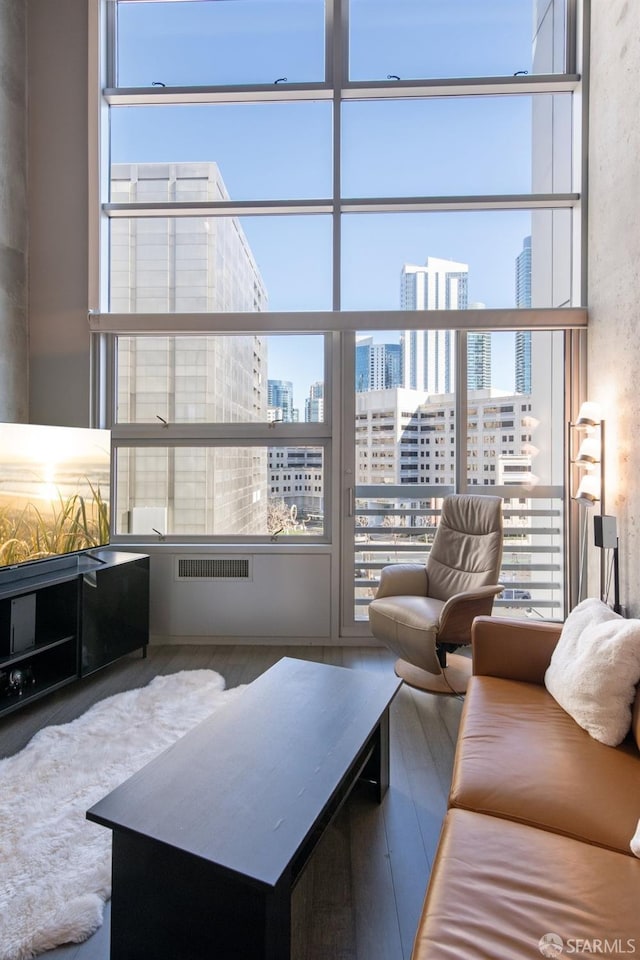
38 648
66 622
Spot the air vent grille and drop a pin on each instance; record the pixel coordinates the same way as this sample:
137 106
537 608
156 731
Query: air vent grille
213 568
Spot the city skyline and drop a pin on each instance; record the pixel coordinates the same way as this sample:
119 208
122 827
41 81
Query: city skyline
156 265
435 176
509 352
410 147
420 147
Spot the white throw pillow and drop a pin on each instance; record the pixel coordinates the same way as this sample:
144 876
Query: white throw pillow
595 668
635 842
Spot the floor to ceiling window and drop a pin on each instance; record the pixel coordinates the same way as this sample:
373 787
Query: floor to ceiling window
338 250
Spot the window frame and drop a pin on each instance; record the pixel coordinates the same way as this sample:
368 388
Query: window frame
338 325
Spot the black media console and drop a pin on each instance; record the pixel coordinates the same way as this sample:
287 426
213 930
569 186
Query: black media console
67 618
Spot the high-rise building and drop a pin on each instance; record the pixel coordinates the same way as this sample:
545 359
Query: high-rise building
191 265
296 479
188 265
523 275
405 437
523 337
523 361
280 399
478 357
378 365
428 360
478 361
314 403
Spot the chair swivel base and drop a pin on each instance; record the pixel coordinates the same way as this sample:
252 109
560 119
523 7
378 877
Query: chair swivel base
453 680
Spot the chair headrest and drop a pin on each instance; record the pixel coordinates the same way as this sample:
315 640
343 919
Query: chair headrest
472 513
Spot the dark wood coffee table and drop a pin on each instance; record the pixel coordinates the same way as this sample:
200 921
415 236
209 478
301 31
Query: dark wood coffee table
210 837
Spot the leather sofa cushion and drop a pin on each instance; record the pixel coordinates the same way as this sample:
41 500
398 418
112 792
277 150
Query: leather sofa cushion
521 757
498 887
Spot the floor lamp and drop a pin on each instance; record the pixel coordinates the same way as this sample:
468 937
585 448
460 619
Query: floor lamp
590 462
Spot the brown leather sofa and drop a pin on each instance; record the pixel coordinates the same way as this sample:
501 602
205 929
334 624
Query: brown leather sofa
536 838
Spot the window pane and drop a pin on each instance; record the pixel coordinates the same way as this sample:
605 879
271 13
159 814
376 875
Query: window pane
209 152
220 379
393 525
516 404
405 435
455 260
515 437
221 491
411 39
455 146
219 264
211 42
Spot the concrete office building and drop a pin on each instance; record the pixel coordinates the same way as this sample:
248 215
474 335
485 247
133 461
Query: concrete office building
296 478
191 265
407 436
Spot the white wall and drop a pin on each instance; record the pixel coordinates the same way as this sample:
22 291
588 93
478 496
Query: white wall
614 271
286 599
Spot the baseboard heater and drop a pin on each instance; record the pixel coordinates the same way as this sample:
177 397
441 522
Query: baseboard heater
213 568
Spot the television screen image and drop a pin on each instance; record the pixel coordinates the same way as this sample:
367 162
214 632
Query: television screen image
54 491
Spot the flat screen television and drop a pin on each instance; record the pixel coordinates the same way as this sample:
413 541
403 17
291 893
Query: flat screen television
54 492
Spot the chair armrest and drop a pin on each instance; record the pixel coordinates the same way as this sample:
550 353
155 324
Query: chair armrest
513 649
460 610
403 579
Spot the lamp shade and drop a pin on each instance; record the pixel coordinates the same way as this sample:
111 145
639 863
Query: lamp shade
589 415
589 451
589 490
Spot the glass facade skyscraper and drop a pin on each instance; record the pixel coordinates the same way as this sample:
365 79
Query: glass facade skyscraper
428 361
378 365
478 361
314 403
280 397
523 337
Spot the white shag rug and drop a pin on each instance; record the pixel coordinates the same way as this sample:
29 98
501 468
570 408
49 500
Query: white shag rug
55 865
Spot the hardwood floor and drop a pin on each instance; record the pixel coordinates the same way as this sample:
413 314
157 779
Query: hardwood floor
361 895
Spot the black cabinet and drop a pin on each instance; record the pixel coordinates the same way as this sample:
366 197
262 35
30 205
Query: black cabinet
68 620
114 610
38 639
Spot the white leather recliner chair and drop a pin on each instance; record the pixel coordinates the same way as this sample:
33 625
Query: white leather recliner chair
424 612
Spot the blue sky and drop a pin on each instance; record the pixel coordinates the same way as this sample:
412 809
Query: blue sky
455 146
